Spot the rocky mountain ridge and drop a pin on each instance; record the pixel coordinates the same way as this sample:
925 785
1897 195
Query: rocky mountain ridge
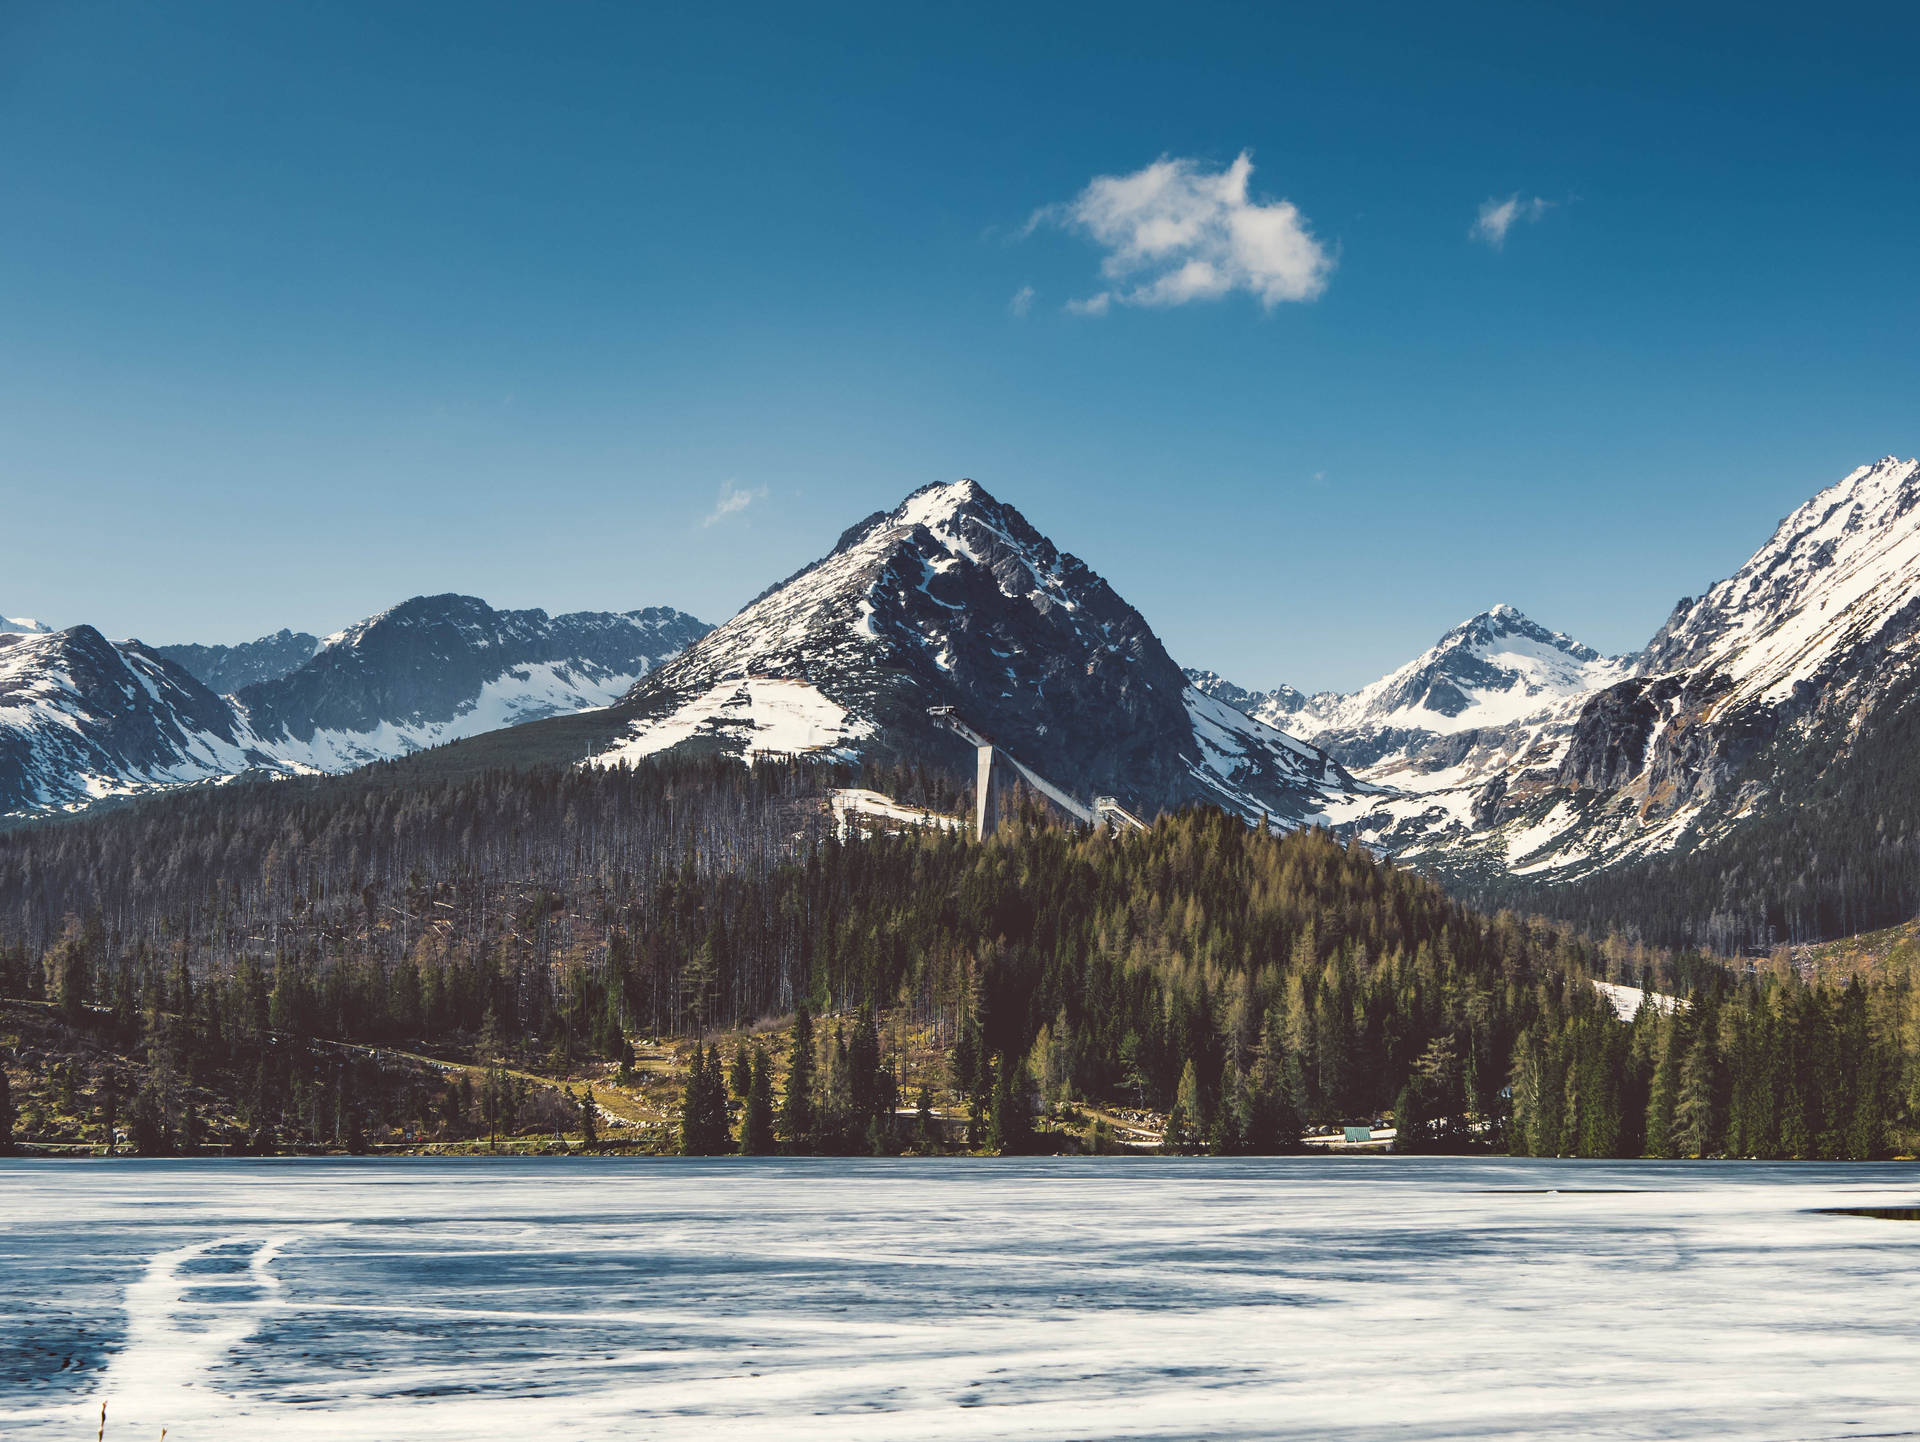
1509 749
83 718
226 669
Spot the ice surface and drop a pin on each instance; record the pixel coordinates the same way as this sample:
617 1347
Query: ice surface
1350 1298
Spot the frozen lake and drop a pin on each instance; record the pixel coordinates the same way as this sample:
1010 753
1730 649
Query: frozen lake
1096 1298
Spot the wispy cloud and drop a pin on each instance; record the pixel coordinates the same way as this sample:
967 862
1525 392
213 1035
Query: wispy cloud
733 500
1497 217
1022 301
1177 231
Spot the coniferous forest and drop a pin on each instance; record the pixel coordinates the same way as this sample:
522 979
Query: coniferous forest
439 959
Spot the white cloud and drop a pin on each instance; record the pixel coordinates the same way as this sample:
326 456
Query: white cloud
1176 232
1022 301
733 500
1497 217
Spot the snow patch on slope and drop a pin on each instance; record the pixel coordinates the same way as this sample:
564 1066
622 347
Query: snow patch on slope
523 693
762 717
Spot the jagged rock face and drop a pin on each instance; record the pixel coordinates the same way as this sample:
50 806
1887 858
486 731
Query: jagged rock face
226 669
1276 707
954 599
82 718
1608 747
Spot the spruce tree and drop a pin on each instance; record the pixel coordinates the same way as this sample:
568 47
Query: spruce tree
980 1103
740 1074
1011 1130
1664 1096
756 1123
1184 1121
6 1115
1273 1124
589 1121
704 1126
1227 1137
796 1106
1698 1119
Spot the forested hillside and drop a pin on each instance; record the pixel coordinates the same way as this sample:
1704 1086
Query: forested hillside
1237 984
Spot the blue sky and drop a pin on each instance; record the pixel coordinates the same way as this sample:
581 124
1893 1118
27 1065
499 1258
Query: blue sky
308 308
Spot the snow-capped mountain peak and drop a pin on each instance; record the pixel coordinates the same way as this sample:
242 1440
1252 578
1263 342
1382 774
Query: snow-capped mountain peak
1833 574
1492 670
953 598
23 626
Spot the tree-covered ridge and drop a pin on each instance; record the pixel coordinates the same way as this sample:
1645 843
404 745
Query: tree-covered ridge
1238 984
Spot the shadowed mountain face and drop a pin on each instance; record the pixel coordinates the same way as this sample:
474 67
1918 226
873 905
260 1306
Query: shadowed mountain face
953 599
227 668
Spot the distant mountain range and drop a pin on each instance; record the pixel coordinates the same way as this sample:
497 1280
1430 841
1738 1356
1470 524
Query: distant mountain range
227 668
83 718
1506 754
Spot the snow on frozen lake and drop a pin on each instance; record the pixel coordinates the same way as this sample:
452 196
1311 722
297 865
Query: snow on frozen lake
1348 1298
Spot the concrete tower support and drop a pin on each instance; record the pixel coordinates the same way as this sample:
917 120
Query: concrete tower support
986 794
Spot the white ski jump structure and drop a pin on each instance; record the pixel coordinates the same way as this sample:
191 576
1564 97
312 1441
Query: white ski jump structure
1104 811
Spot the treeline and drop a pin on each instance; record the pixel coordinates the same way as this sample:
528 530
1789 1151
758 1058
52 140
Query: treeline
167 1085
1768 1068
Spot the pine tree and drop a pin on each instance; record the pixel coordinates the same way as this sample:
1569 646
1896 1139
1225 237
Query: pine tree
796 1106
980 1103
1698 1116
147 1123
704 1125
1227 1137
1185 1120
6 1115
740 1075
1663 1098
589 1120
1412 1126
756 1124
1011 1132
1273 1125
